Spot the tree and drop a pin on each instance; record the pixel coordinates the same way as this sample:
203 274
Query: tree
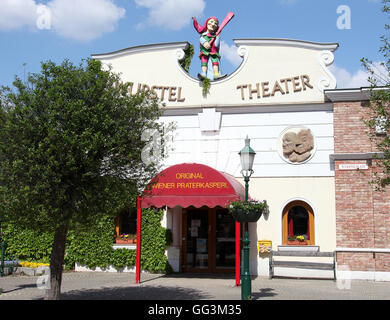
378 120
70 149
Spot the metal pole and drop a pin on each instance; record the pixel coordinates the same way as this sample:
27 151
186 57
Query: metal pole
246 286
138 251
238 253
2 257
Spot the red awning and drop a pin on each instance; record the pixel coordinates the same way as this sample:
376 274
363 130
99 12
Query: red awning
192 184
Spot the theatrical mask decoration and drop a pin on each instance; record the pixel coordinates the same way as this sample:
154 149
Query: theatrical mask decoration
297 145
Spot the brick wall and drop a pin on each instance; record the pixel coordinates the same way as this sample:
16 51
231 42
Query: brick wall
362 213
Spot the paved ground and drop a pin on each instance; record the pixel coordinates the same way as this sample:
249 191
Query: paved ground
121 286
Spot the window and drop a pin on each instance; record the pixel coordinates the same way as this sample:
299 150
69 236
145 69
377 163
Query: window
298 220
126 222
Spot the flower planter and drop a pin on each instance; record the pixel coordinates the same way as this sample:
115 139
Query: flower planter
296 243
124 241
241 216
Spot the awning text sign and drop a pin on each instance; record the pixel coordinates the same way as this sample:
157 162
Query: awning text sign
191 184
181 181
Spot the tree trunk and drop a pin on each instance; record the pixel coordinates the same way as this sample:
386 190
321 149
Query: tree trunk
57 262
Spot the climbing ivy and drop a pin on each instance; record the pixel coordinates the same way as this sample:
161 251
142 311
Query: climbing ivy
186 61
205 86
94 247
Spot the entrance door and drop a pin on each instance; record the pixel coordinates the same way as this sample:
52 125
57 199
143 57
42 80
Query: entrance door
208 241
225 241
196 239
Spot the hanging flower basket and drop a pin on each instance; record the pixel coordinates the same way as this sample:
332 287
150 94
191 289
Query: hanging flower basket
249 211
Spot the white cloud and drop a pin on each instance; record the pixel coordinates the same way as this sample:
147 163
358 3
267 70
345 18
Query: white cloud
16 14
230 53
347 80
359 79
80 20
84 20
170 14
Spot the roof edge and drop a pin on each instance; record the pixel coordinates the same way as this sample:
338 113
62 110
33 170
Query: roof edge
351 94
141 48
286 42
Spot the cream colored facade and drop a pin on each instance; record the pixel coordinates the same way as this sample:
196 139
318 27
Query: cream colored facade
279 85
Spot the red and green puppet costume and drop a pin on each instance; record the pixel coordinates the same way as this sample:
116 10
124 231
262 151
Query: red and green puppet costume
208 53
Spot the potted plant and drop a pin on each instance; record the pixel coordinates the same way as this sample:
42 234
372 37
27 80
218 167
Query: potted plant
247 211
297 240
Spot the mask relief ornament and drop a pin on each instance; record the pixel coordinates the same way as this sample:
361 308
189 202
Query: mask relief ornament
298 146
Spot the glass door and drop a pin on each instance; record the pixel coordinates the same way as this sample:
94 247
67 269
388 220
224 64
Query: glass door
197 240
208 241
225 241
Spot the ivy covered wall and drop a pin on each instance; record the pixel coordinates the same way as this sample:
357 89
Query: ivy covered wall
94 247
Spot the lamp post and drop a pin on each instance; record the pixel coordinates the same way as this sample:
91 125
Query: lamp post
247 156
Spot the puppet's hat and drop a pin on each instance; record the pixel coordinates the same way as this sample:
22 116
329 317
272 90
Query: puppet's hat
203 28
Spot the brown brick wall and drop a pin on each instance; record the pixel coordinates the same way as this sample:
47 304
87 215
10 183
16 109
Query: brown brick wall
362 213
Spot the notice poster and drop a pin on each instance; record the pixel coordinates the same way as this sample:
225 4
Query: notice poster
195 223
201 245
194 232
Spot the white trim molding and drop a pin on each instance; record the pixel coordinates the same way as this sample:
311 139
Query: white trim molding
288 43
143 48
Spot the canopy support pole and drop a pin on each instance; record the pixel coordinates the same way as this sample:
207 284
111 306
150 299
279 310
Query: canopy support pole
238 253
138 253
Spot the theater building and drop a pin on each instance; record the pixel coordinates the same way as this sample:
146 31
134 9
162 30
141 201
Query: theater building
312 165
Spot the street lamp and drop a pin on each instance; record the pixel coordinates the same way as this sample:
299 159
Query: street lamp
247 156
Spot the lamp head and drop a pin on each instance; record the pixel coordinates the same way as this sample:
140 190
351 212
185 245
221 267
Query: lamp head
247 156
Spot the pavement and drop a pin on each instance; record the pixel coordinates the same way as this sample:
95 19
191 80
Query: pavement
122 286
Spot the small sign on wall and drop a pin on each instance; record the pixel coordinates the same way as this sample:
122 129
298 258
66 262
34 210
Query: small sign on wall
353 166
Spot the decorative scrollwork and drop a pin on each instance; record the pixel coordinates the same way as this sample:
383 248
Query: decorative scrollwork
242 51
179 54
326 58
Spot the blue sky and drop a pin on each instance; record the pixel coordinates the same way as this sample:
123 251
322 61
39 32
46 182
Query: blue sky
32 31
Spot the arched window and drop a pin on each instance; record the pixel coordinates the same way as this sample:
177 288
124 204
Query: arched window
298 224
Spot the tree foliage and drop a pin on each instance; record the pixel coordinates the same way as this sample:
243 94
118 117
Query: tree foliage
378 121
70 148
70 141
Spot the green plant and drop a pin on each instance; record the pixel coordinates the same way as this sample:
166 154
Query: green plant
205 86
28 245
93 247
126 236
186 61
300 238
247 206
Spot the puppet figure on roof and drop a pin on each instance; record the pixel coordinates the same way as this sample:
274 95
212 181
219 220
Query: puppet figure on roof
210 43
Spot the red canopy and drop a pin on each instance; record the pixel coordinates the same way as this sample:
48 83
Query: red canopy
192 184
